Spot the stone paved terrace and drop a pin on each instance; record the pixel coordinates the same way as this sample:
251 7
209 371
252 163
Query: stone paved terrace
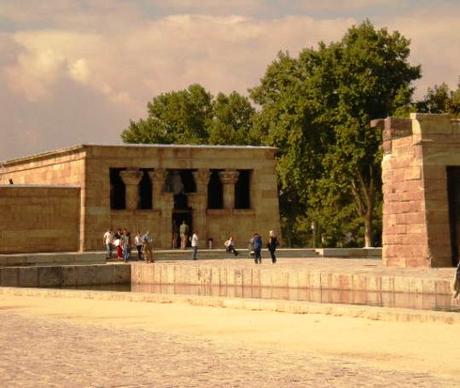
106 343
178 254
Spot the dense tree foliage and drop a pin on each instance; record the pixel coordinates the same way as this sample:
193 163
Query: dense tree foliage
193 116
440 99
316 109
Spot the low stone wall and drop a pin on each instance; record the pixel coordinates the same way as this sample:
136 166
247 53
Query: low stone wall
64 258
356 253
39 219
240 276
65 275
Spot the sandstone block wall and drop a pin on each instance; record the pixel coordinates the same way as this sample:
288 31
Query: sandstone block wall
65 167
238 223
39 219
220 223
417 152
88 167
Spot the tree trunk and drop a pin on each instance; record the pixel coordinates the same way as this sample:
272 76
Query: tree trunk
364 196
368 229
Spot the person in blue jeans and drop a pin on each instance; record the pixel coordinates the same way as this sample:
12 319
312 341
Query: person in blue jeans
257 245
126 245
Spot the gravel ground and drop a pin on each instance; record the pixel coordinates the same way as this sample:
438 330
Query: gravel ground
48 352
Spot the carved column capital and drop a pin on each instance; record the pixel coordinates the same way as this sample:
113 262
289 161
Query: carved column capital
131 179
158 175
201 177
131 176
229 177
161 199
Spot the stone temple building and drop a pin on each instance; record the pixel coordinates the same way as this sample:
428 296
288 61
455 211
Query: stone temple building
66 199
421 190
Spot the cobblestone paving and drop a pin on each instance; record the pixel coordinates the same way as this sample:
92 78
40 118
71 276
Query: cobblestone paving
50 353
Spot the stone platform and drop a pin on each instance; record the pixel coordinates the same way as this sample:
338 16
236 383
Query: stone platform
98 257
51 258
295 273
312 273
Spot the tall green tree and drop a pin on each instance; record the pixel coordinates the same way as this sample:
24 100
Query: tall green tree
180 117
194 116
232 120
317 107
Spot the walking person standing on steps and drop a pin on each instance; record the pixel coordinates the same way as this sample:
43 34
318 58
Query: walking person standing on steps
272 244
257 245
138 243
147 243
108 240
183 231
194 241
126 245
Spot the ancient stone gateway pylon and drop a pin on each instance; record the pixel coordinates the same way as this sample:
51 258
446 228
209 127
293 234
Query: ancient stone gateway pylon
421 190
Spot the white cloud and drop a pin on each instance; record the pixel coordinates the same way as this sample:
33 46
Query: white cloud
107 59
434 44
224 53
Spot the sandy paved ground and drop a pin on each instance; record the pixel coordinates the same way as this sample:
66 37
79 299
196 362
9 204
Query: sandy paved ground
76 343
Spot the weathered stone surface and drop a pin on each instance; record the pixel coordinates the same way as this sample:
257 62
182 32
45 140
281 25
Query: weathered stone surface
28 277
50 277
416 212
9 277
63 218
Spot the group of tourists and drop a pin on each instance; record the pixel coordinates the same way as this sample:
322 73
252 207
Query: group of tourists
122 244
255 247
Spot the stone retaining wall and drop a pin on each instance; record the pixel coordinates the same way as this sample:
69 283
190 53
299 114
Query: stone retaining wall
239 276
65 275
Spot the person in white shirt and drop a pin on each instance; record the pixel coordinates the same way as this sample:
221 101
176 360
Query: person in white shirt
230 246
194 242
138 243
108 240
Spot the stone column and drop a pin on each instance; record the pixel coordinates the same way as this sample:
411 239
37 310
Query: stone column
164 202
157 177
131 179
229 179
199 203
201 177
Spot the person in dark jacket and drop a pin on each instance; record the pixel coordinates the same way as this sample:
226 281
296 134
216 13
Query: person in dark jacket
272 244
257 245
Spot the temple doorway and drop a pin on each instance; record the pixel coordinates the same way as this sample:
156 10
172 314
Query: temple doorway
178 217
453 187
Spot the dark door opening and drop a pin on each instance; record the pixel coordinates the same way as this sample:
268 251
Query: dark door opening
215 191
145 190
117 189
453 191
178 217
243 190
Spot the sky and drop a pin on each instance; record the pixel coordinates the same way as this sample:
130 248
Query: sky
77 71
